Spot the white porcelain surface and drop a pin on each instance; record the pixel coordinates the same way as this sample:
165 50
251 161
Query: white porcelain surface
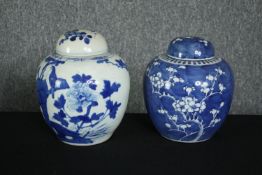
83 99
95 45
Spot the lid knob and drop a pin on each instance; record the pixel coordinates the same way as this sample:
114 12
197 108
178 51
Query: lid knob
77 43
190 48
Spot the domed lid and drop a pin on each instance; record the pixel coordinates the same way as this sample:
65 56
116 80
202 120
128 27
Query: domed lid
81 43
190 48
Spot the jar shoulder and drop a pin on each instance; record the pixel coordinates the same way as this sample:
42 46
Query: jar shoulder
58 58
112 60
165 66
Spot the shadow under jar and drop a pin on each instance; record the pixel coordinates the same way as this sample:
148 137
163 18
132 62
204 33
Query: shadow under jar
188 91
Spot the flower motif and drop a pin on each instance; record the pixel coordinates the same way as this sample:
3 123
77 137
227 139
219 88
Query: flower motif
79 96
188 89
198 83
205 90
171 69
177 80
204 41
221 87
189 104
219 71
156 63
214 111
161 111
157 81
174 118
210 77
168 84
197 52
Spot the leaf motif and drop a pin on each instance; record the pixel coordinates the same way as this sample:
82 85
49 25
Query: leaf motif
121 63
87 40
92 86
79 109
60 116
96 116
73 38
75 119
112 107
85 78
76 78
109 89
80 118
60 102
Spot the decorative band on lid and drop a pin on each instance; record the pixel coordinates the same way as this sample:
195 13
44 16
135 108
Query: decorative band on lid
81 43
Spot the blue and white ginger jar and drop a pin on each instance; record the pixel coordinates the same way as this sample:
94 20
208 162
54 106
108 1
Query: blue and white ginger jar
188 91
83 90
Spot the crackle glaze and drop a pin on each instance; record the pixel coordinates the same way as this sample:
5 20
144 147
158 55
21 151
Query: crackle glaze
82 89
188 92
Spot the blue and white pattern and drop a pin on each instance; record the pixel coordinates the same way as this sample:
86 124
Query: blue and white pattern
117 62
195 62
76 34
75 117
188 103
193 48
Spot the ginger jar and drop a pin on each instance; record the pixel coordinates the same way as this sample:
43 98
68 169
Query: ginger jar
83 89
188 91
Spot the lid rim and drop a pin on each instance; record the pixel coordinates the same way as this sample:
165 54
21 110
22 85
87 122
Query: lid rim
82 55
190 59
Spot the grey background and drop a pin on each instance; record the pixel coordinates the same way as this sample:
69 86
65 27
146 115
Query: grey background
137 30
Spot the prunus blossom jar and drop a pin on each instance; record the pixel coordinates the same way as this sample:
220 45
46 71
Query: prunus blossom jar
188 91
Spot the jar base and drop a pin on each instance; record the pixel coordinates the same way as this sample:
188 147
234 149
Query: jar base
94 141
181 141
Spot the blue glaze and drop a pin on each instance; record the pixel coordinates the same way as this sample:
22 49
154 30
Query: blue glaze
190 47
76 34
118 62
80 97
187 100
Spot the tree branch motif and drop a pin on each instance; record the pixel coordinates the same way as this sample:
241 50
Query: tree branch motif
117 62
188 108
80 98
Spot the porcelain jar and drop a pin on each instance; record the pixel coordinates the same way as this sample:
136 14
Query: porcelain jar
83 90
188 91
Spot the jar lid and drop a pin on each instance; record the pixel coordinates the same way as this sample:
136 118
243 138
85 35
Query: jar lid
190 48
81 43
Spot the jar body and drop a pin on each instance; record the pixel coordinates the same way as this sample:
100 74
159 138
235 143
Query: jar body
83 99
188 100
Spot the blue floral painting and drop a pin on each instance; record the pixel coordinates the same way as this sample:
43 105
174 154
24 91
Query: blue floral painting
76 34
118 62
80 97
